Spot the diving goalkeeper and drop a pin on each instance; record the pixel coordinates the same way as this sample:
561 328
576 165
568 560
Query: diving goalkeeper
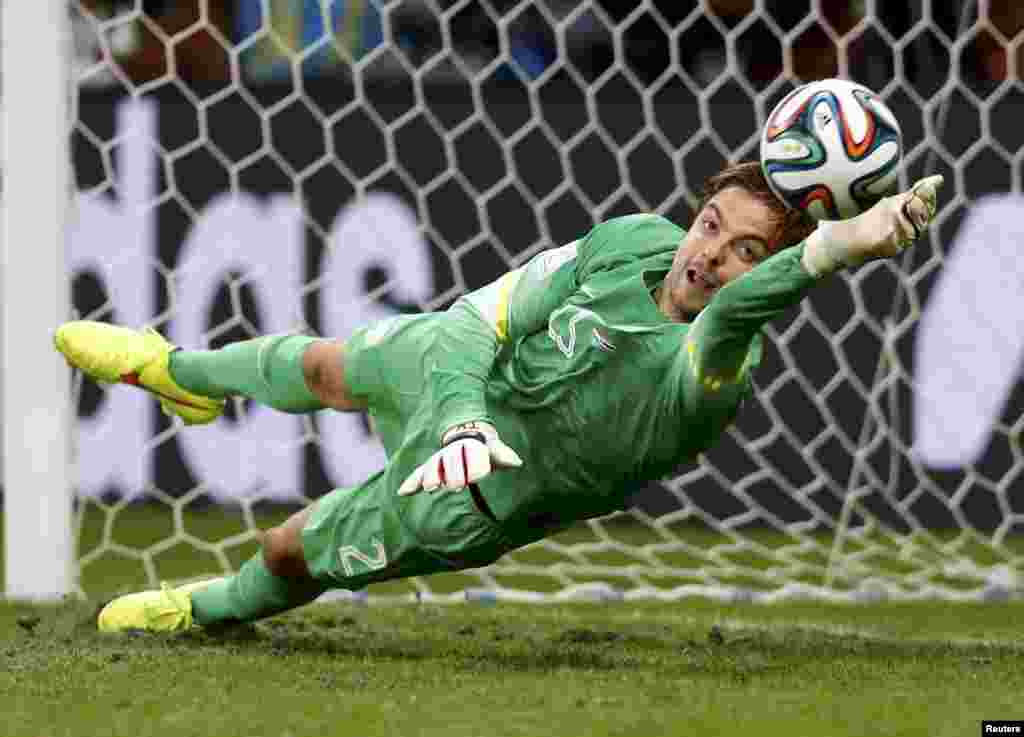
539 400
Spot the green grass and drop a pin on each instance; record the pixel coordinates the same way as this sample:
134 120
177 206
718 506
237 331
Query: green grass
624 669
687 668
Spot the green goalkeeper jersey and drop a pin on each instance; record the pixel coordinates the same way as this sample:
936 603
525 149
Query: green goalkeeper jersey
598 391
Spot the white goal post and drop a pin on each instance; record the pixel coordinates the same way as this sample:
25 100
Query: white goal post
271 171
39 548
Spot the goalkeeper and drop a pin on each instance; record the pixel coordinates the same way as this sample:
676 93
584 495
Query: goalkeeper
537 401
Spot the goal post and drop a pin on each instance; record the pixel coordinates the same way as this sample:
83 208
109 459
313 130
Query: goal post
37 502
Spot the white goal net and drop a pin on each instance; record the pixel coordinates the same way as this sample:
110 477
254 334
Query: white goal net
270 166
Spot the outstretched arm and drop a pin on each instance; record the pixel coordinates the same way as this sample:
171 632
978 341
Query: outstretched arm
719 341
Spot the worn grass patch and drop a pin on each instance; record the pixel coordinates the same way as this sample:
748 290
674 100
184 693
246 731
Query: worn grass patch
689 668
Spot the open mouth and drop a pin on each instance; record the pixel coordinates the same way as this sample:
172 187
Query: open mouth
700 278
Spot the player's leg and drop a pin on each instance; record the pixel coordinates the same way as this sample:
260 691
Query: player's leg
291 373
276 579
323 365
348 539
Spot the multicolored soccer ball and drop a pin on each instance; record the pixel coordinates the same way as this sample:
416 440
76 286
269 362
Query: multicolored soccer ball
831 148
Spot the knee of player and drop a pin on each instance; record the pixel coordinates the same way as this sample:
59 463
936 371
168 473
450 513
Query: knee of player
314 366
323 369
282 552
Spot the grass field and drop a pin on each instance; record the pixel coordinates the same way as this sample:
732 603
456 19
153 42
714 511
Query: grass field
621 668
584 669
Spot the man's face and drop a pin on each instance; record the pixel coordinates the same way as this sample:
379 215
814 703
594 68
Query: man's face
731 235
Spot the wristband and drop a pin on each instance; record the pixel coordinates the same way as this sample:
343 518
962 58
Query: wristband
464 435
473 429
820 255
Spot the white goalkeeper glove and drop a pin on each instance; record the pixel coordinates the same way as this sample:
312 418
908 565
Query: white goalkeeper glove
469 452
889 226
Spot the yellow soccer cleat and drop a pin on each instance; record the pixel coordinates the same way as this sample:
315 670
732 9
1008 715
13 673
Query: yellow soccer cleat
112 354
168 610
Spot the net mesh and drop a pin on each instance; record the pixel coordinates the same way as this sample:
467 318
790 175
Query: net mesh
503 128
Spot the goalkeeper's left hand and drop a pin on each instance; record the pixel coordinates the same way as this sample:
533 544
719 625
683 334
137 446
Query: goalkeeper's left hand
469 452
892 224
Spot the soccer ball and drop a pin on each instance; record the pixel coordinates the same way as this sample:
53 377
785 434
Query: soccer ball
831 148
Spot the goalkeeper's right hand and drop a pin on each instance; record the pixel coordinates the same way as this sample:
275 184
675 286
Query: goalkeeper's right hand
469 452
891 225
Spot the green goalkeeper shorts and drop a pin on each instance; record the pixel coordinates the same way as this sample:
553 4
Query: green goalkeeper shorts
385 365
368 534
363 535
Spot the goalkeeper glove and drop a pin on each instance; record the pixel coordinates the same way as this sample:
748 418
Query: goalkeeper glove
469 452
889 226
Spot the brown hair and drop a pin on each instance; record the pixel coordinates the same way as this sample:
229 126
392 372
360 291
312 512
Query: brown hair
793 225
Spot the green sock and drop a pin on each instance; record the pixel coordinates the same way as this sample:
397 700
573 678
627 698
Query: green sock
251 594
267 369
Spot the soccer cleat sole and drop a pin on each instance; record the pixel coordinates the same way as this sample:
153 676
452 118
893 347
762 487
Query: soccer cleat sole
191 413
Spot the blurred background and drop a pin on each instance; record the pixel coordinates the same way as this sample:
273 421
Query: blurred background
701 75
247 167
351 29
